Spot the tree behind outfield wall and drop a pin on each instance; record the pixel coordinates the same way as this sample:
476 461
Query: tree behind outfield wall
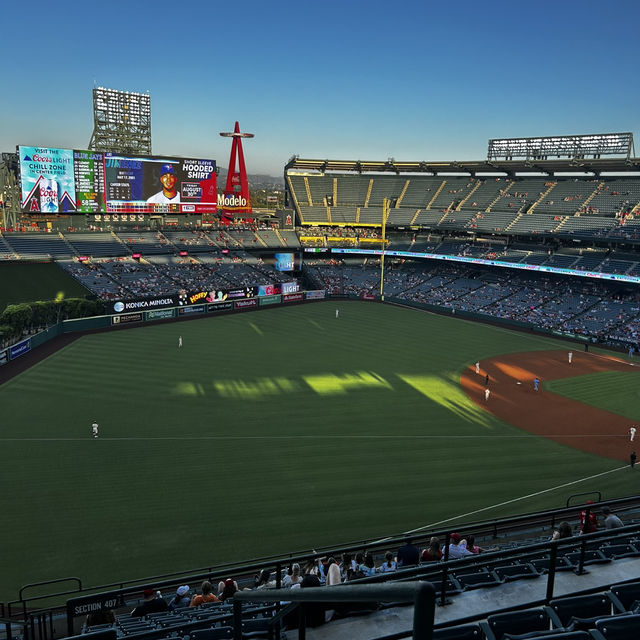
18 319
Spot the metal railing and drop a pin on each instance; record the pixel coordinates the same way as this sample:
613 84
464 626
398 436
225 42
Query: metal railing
34 606
422 594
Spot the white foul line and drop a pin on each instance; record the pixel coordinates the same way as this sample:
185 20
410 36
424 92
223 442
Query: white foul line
501 504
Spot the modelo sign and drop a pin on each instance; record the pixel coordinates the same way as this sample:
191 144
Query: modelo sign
231 201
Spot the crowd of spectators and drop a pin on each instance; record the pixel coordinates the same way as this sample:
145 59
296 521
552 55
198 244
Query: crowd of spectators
594 309
126 278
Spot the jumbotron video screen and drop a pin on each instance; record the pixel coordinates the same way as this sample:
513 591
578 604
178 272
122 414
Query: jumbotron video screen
82 181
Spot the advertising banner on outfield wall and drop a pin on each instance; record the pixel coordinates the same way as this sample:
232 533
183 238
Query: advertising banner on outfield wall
20 349
199 308
160 314
127 318
220 306
266 300
144 304
292 297
244 304
315 295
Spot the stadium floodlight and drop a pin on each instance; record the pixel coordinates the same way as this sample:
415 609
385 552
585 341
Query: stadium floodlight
121 122
574 147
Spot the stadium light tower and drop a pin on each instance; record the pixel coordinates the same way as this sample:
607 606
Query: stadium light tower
121 121
236 192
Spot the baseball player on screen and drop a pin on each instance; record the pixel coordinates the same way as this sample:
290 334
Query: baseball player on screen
169 194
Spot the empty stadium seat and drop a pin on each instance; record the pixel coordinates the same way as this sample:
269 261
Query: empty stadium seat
614 551
218 633
463 632
625 595
591 556
542 564
581 612
513 623
561 635
257 628
516 572
478 580
617 628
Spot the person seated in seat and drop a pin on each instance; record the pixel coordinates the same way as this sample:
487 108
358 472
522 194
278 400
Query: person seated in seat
563 531
152 603
432 553
457 547
182 599
204 596
227 589
389 563
408 554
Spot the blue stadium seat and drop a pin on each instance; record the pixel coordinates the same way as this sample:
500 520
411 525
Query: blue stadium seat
617 628
478 580
218 633
516 572
581 612
624 595
463 632
519 622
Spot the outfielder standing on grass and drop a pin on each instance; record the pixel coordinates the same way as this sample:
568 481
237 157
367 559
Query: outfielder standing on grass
94 429
179 342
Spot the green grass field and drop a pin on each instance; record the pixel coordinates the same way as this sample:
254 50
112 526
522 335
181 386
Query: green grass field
266 433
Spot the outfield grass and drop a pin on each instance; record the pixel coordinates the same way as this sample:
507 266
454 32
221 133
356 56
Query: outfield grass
29 281
266 433
615 391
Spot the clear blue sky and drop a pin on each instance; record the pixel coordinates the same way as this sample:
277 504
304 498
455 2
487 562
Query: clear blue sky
333 79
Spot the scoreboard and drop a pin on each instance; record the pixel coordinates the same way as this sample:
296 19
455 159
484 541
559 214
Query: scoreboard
80 181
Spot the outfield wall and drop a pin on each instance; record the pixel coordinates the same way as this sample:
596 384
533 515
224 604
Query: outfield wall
106 322
102 323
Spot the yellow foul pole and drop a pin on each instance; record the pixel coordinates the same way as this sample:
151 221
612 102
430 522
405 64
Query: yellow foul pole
385 215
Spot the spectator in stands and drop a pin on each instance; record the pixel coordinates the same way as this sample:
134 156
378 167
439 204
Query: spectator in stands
227 589
472 546
263 580
103 616
432 553
408 554
204 596
590 524
152 603
333 572
347 564
563 531
182 599
389 563
457 547
368 566
293 577
611 521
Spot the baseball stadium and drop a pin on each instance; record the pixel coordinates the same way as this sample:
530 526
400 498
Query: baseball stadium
405 380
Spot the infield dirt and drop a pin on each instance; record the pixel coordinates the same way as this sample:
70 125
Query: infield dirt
575 424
